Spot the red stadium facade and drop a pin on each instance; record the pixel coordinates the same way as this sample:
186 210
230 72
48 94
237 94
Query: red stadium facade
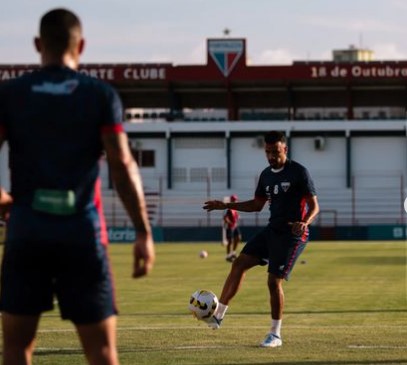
227 82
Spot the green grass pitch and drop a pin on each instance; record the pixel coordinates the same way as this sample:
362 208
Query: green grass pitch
346 304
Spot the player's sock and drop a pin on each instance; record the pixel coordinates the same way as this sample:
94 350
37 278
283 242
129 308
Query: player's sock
220 311
276 326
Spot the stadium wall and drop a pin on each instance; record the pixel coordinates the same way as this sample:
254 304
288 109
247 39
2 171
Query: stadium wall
214 234
119 235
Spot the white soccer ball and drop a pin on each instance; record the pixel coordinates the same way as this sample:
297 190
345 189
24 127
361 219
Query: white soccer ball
203 304
203 254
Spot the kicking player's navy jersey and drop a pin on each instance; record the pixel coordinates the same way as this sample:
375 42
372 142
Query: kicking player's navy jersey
285 191
53 119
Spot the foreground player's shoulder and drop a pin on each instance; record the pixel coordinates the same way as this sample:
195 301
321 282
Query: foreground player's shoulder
96 84
8 86
106 94
14 89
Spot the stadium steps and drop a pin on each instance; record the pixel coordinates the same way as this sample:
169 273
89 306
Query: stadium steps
116 214
184 208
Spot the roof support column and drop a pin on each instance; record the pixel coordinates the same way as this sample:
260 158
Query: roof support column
228 162
348 160
291 108
350 113
169 161
175 104
288 139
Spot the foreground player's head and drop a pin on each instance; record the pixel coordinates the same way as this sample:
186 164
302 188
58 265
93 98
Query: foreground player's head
276 149
60 40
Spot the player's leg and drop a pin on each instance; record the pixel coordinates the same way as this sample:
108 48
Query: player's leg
237 238
236 276
99 341
84 272
231 256
231 286
94 315
18 338
224 240
229 245
275 285
283 254
253 254
26 287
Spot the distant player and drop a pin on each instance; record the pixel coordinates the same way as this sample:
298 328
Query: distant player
233 234
58 123
289 190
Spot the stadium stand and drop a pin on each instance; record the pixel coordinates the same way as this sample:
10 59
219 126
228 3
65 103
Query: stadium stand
339 207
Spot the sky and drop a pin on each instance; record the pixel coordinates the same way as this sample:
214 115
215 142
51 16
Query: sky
175 31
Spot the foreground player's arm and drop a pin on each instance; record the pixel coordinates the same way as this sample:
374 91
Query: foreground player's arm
253 205
127 180
313 210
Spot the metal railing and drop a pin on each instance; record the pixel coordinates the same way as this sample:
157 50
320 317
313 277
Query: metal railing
359 205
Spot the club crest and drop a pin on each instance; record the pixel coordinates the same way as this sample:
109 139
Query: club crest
225 53
285 186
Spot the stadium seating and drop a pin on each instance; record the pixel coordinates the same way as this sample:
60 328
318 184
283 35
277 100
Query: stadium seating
339 207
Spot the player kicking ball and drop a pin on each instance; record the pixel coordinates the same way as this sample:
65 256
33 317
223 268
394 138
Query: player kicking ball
288 189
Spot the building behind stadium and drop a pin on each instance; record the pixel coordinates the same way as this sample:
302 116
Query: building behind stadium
196 132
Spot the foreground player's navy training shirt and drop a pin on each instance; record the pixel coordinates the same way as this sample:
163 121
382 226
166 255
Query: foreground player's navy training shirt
52 119
285 191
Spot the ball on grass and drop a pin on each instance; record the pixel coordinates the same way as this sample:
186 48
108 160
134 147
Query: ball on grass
203 254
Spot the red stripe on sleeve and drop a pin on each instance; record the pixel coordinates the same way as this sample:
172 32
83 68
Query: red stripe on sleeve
115 128
104 237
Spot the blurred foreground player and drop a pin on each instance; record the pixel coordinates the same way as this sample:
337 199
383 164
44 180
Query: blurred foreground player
57 122
289 190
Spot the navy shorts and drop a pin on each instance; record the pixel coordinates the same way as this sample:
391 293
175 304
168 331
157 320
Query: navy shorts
278 248
46 257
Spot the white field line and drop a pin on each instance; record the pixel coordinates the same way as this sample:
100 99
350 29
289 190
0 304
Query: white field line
182 348
45 349
376 347
201 326
203 347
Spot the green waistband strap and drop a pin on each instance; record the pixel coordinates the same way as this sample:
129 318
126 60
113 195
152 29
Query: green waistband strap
56 202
